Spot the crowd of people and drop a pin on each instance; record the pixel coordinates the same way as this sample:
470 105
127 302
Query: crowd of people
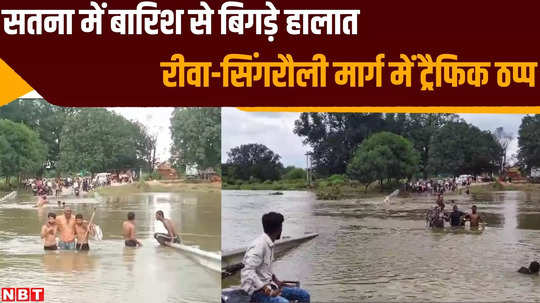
438 186
44 187
74 232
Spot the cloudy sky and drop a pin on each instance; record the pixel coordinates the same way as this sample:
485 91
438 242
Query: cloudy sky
156 119
275 130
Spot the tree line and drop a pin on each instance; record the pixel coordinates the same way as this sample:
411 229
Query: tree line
37 137
373 146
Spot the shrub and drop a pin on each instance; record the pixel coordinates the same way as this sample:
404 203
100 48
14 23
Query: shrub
336 179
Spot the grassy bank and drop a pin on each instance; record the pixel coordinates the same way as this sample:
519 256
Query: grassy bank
160 186
335 187
529 187
268 185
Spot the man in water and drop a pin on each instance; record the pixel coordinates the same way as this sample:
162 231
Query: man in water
128 228
436 215
42 200
474 217
82 230
48 232
171 235
534 267
257 277
66 227
455 217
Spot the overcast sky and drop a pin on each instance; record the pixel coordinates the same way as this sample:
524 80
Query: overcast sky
156 119
275 130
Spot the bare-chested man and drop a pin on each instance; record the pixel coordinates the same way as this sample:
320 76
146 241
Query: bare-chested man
42 200
82 230
474 217
128 228
48 232
171 235
66 227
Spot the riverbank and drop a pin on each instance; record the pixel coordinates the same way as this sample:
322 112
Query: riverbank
324 189
170 186
269 185
505 186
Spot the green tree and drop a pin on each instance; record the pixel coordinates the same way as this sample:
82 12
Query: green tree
334 136
146 145
196 136
253 161
42 117
21 151
98 140
383 156
529 142
460 148
420 130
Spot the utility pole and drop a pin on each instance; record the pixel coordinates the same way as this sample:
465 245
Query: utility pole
308 168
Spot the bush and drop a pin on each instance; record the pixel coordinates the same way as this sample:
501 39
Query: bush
329 193
142 186
296 173
336 179
267 182
253 180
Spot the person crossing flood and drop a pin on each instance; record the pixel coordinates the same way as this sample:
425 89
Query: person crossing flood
128 228
66 227
48 233
82 230
436 216
474 217
42 200
171 235
456 217
257 278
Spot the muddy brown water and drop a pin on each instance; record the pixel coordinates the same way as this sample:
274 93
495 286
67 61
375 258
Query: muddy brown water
110 272
370 252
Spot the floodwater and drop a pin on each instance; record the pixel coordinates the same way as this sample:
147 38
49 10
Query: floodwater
370 252
110 272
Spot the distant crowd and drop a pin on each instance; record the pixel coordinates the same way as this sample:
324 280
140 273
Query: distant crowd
440 186
55 186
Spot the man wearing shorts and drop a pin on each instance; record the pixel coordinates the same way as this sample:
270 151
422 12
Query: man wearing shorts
128 228
48 232
171 235
66 227
82 230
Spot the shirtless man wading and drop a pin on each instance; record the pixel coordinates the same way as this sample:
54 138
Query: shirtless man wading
66 227
171 235
82 230
48 232
474 217
128 228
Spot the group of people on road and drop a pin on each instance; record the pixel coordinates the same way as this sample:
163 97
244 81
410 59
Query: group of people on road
74 231
437 216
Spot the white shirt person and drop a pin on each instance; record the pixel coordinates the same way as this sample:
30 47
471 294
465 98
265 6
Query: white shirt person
257 277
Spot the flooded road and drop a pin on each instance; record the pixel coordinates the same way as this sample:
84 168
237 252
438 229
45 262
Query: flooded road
370 252
110 272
